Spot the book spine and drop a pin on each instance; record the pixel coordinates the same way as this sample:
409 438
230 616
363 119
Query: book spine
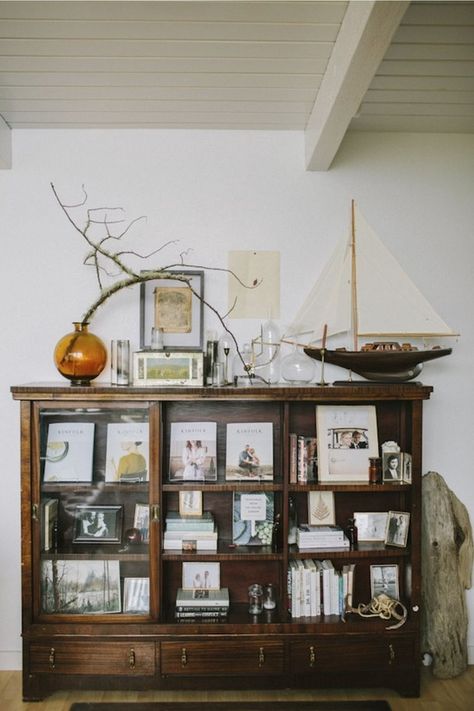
202 614
302 461
293 458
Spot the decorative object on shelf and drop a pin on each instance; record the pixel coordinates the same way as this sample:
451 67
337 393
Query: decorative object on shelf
267 352
269 596
98 524
120 362
152 368
255 599
384 579
396 532
211 357
297 368
363 291
321 508
384 607
225 345
292 521
70 594
352 533
391 467
132 536
375 470
80 356
157 342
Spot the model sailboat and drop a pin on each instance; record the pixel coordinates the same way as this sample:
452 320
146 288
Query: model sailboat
364 292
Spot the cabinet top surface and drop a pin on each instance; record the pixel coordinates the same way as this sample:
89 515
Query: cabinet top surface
355 390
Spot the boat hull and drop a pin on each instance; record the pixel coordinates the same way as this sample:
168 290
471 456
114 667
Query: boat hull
386 366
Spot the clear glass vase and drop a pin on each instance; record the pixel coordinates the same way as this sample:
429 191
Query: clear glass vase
268 361
297 368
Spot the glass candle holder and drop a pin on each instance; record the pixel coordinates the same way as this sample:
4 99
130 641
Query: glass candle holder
269 597
255 599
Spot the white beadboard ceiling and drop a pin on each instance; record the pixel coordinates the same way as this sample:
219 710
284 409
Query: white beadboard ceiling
319 67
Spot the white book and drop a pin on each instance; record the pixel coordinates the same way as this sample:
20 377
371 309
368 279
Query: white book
202 598
311 573
335 594
302 590
295 589
69 452
327 586
127 452
319 586
198 535
249 451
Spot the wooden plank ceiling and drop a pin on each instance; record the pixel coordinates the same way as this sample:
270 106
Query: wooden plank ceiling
236 65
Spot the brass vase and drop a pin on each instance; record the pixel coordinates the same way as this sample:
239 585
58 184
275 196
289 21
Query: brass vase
80 356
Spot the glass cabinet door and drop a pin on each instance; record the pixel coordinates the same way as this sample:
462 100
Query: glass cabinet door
94 473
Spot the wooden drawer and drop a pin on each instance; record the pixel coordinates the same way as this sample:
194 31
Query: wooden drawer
93 658
222 658
353 653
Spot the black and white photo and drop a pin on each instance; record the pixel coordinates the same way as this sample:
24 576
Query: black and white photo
396 533
98 524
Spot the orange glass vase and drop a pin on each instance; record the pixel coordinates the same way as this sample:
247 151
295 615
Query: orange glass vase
80 356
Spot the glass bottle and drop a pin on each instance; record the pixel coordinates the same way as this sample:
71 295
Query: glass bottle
268 361
352 533
269 597
255 599
297 368
292 521
80 356
240 373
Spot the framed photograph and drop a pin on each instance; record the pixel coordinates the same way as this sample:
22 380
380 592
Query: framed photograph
391 467
347 437
171 305
98 524
396 532
371 525
80 587
201 576
141 521
190 503
384 579
406 468
136 595
151 368
321 510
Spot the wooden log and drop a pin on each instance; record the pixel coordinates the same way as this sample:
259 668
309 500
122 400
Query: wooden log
447 560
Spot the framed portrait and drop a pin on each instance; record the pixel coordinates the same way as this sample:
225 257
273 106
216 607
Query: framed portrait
396 531
190 503
136 595
141 521
201 576
151 368
391 467
347 438
406 468
98 524
384 579
371 525
81 587
175 308
321 510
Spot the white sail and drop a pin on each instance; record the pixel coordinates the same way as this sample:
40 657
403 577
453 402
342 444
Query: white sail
388 303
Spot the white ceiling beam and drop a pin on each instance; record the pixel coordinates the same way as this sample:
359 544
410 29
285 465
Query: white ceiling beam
364 37
5 145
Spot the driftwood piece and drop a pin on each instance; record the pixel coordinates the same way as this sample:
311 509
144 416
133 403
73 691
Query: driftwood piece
447 560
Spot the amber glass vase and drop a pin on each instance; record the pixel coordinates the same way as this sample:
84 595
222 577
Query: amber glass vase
80 356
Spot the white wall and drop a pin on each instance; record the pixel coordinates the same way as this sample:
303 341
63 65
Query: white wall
216 191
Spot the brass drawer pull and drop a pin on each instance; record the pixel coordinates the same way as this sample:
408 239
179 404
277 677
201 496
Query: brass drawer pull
261 657
391 654
312 656
184 657
131 658
52 659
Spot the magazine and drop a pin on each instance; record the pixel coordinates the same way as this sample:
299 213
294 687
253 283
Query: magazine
69 452
127 452
249 451
193 451
252 519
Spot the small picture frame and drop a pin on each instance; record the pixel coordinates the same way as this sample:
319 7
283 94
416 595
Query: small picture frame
136 595
176 307
371 525
98 524
391 467
190 503
396 532
384 580
201 576
152 368
141 521
406 468
321 509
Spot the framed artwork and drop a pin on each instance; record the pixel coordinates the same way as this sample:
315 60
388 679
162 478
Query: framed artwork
152 368
396 531
406 467
321 510
80 587
371 525
201 576
172 307
98 524
384 579
347 438
190 503
141 521
136 595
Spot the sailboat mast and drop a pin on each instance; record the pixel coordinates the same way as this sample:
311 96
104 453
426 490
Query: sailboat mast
354 314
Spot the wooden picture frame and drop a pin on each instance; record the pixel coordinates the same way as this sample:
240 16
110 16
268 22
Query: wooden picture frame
171 305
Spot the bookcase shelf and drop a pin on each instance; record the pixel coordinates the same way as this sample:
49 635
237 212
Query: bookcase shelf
120 630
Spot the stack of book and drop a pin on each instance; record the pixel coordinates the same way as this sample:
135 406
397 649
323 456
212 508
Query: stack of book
199 604
190 533
316 588
309 537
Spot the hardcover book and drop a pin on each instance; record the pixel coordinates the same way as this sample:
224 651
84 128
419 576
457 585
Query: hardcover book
127 452
198 599
193 451
50 516
175 522
69 452
252 519
249 451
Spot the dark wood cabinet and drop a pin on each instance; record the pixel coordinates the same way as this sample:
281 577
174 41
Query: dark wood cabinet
99 611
